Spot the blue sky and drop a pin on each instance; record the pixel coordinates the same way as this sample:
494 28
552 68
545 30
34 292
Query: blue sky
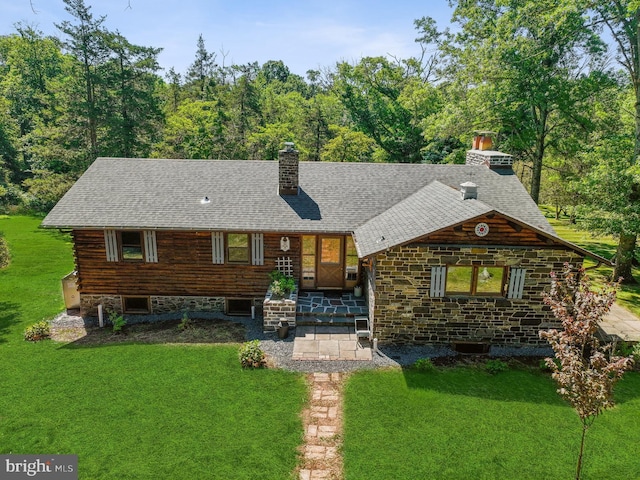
304 34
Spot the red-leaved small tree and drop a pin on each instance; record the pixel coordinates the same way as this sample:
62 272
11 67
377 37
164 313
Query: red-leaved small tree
585 369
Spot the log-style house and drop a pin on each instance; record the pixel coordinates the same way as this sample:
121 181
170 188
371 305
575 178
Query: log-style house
445 253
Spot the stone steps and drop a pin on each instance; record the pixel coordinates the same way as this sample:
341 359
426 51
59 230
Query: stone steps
315 320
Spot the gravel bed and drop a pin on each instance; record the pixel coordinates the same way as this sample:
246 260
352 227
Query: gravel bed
280 351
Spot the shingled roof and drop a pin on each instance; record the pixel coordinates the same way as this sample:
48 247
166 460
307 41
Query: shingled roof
243 195
382 205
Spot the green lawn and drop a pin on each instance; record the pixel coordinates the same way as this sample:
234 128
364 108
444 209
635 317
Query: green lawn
132 411
603 245
462 423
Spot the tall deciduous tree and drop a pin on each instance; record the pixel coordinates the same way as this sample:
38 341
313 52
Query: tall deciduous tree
371 92
622 19
585 370
534 58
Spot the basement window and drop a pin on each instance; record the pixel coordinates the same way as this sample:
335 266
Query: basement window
475 280
136 304
239 306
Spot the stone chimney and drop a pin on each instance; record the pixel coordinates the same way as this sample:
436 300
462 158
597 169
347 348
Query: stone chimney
288 170
469 190
481 153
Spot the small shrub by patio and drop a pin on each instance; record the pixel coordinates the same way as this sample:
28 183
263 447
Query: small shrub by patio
37 331
251 355
496 366
424 365
281 284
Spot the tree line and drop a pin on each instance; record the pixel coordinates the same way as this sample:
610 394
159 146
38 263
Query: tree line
557 80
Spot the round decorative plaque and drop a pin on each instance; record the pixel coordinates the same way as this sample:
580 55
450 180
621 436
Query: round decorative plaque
482 229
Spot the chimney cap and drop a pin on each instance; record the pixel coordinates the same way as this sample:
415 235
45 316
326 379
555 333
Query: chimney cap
484 132
289 146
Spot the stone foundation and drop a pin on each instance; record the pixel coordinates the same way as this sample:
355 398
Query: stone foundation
275 310
166 304
89 304
159 304
405 314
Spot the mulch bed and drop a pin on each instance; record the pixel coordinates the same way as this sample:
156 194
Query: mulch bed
198 331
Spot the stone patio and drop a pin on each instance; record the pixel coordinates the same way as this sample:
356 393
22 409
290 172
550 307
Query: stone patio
319 303
329 343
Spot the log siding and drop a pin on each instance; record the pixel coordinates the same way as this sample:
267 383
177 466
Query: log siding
184 267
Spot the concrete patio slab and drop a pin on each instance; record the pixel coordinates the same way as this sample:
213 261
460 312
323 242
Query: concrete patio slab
329 343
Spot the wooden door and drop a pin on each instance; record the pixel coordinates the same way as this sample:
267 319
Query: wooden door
330 262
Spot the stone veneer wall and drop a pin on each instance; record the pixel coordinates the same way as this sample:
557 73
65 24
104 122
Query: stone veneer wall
274 310
159 304
404 313
489 158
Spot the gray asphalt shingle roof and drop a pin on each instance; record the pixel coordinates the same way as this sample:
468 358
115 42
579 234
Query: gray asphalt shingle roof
392 200
430 209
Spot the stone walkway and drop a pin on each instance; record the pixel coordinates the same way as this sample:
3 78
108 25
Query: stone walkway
621 323
321 458
329 343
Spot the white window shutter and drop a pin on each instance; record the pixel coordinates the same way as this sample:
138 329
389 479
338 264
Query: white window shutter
150 246
438 281
217 245
257 250
111 245
516 283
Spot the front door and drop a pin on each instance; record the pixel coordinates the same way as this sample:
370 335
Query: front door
330 262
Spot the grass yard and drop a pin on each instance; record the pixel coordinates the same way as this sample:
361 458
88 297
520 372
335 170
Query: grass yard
132 411
603 245
462 423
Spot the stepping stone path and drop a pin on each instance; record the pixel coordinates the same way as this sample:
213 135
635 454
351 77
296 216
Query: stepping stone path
321 457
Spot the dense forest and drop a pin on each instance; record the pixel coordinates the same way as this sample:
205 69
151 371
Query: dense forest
557 80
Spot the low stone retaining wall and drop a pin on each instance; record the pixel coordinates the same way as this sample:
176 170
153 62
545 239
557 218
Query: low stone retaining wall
275 310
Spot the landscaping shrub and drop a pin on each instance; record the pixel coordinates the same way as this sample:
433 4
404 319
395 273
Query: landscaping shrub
117 321
424 365
496 366
251 355
37 331
186 323
281 284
